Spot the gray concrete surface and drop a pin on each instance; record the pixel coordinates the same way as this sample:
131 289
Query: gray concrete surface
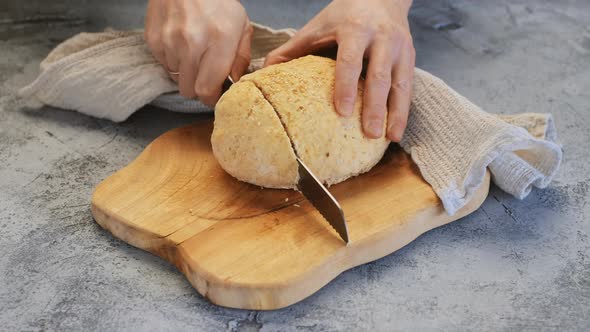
512 265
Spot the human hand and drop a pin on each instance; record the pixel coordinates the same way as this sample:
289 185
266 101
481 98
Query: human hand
378 30
200 43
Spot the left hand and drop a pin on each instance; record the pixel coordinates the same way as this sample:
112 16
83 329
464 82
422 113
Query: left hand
377 29
200 43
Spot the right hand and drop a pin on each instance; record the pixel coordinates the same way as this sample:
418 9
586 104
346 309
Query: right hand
375 29
203 41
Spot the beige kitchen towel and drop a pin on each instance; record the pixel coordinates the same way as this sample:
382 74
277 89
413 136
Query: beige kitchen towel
112 74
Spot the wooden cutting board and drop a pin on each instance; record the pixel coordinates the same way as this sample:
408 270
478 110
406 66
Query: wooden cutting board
246 247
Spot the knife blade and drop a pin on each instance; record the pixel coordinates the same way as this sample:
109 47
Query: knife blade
315 192
319 196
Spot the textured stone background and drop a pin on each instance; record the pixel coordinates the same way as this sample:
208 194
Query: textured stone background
512 265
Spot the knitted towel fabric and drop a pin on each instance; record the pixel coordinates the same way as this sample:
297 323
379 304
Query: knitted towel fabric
112 74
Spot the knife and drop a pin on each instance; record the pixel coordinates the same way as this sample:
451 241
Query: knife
319 196
315 192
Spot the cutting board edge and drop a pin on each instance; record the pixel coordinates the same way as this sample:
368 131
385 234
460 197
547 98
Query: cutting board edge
285 293
138 237
298 289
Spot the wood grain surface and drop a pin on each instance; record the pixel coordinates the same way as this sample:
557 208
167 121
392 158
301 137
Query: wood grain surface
247 247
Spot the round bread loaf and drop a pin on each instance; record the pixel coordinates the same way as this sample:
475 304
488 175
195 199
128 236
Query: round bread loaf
286 110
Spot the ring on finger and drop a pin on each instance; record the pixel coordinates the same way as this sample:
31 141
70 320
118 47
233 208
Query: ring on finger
171 72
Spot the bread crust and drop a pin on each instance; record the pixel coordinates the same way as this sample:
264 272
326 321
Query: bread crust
249 141
300 93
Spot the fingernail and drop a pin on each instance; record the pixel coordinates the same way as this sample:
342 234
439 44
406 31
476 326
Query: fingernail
395 132
375 128
345 108
394 135
390 132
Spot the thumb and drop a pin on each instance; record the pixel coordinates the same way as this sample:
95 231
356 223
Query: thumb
242 59
302 43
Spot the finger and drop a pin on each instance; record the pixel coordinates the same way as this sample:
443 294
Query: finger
157 48
151 34
377 86
188 73
190 49
242 59
304 42
401 94
214 68
349 64
171 62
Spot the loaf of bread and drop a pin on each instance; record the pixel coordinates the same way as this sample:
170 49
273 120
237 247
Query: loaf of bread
286 110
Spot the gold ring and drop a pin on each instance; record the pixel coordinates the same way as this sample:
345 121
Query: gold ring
169 71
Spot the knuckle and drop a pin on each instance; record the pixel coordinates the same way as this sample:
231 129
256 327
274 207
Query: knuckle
171 36
357 26
204 91
176 34
376 110
402 87
384 28
355 22
345 92
190 37
380 79
347 96
219 29
348 58
376 107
